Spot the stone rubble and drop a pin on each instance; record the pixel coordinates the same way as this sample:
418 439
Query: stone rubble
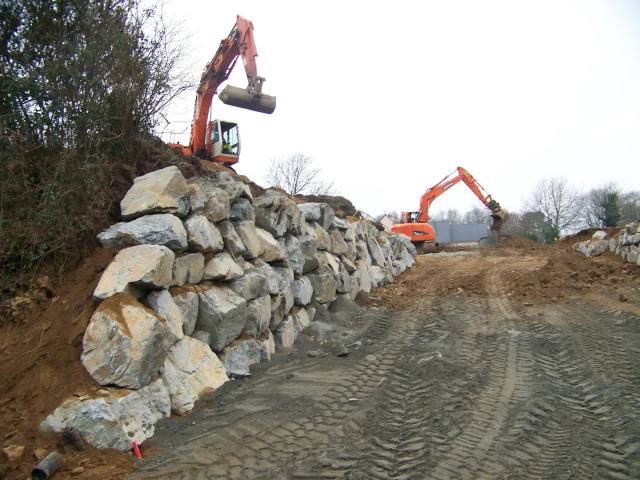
228 278
626 244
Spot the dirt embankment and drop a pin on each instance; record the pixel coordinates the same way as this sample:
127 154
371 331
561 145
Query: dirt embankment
40 366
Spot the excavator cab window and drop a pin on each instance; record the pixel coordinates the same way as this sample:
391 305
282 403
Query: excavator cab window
230 138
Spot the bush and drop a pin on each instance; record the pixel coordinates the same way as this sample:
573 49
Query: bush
82 86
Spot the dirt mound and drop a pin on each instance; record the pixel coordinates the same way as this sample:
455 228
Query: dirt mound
343 206
39 367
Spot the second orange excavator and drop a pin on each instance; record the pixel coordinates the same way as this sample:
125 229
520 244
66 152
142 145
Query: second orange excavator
416 224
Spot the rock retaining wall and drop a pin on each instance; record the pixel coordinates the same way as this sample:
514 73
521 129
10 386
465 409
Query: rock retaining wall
207 281
626 243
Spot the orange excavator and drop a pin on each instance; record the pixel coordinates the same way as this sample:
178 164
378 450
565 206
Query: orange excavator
415 224
219 140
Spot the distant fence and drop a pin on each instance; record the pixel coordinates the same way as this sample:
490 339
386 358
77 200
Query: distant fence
447 232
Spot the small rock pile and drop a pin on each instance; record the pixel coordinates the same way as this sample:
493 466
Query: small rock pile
626 243
207 281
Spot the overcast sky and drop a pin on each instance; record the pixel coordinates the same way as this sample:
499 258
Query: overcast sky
389 97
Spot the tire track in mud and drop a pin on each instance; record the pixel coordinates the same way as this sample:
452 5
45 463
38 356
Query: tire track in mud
258 448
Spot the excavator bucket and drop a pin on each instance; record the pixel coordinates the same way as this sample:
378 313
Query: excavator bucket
241 98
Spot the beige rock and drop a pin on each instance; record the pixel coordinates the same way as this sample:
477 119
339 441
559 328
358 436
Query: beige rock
188 268
248 234
13 452
163 304
285 334
323 240
125 343
222 313
222 267
271 249
202 235
338 245
190 370
188 303
268 343
142 266
162 191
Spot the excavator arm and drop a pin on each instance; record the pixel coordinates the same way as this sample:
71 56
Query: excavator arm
239 43
460 175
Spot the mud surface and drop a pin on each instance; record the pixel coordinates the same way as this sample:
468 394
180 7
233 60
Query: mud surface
468 368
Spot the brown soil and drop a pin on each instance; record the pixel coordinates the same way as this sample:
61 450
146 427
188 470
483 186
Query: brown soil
40 367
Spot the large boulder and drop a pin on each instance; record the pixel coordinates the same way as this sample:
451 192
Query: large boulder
338 245
302 291
267 343
217 206
323 240
187 301
242 210
239 355
272 251
135 268
301 320
203 236
164 305
222 313
191 369
277 213
324 286
321 213
188 268
125 343
252 284
281 305
258 316
112 418
162 191
248 234
285 334
222 267
232 240
159 229
234 188
278 278
295 256
376 252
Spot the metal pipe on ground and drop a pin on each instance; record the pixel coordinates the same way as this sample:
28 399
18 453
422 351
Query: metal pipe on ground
47 467
240 97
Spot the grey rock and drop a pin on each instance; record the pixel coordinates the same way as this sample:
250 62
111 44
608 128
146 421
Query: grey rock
249 235
191 369
125 343
242 209
159 229
188 268
232 240
251 285
285 334
239 355
234 188
338 245
135 268
217 207
258 316
112 418
163 304
294 254
274 212
162 191
376 252
222 267
339 223
204 337
202 235
301 320
222 313
323 240
599 235
188 302
310 211
324 286
302 291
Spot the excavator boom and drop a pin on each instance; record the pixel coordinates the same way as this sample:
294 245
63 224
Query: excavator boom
239 43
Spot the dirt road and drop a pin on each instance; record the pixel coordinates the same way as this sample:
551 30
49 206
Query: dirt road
469 367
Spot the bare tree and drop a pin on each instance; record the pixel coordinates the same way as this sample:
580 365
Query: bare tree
477 215
452 215
296 175
558 202
630 207
602 206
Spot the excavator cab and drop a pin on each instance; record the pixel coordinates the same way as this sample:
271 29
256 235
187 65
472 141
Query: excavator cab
224 141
